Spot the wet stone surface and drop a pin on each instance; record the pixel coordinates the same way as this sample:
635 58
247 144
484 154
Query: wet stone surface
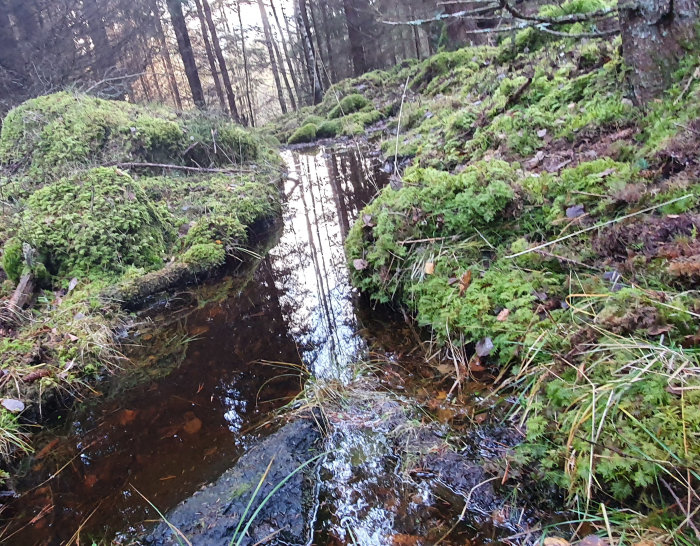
211 516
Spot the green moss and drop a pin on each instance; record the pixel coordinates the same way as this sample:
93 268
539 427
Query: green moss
226 230
96 222
313 119
13 258
307 133
329 128
348 105
432 204
54 134
205 257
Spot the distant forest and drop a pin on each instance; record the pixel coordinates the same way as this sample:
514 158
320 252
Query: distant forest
248 59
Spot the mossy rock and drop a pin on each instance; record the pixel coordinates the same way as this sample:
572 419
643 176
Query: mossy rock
329 128
313 119
12 258
205 256
348 105
51 136
97 222
306 133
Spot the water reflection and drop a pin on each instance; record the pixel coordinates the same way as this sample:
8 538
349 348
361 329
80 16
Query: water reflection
193 406
325 192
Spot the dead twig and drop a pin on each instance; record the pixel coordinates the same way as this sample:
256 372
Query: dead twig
179 168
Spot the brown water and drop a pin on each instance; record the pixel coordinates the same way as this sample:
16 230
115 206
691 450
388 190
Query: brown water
206 375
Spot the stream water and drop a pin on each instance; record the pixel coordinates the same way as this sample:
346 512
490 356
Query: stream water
210 367
207 373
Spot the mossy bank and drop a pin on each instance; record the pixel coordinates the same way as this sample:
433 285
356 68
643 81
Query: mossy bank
547 230
104 204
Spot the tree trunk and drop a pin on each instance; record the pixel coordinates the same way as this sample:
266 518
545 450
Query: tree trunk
655 35
210 56
104 59
319 50
21 297
271 53
222 63
359 62
185 48
246 69
305 28
329 47
10 53
160 35
287 57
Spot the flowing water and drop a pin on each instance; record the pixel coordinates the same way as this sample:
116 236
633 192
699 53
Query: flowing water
213 363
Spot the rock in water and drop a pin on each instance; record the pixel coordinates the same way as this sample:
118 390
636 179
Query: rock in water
211 515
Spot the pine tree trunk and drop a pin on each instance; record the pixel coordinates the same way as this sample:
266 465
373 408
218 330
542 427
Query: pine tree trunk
287 57
327 36
271 53
185 48
210 56
655 36
246 69
102 50
357 52
160 35
222 62
314 76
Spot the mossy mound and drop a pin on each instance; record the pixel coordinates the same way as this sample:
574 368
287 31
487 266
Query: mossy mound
547 231
49 136
306 133
349 105
98 220
101 212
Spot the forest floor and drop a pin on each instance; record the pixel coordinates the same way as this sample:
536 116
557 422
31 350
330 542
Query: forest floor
542 230
105 206
545 235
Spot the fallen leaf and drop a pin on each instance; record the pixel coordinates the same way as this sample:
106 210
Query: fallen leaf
465 281
72 284
15 406
593 540
475 364
367 220
503 315
429 268
575 211
445 369
193 424
555 541
48 448
90 480
658 330
542 133
126 417
484 347
360 264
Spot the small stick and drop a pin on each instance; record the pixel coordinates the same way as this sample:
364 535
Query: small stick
597 226
398 128
177 168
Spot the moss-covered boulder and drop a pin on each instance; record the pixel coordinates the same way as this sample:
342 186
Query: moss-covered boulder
98 220
306 133
349 105
49 136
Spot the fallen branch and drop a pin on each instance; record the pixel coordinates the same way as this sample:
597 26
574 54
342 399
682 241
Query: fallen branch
178 168
564 19
19 300
598 226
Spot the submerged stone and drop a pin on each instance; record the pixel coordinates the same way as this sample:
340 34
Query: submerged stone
211 516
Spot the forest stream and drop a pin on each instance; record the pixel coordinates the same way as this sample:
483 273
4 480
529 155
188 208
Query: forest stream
210 373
